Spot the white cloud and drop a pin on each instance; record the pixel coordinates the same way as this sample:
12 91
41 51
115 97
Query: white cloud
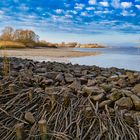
1 12
126 4
23 7
79 6
67 5
73 11
126 13
137 6
39 9
58 11
103 12
83 14
90 8
92 2
68 16
116 3
104 3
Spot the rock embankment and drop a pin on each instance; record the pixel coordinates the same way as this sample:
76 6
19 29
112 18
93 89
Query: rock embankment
76 102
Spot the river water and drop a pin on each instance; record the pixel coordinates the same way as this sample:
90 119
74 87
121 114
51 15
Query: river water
120 57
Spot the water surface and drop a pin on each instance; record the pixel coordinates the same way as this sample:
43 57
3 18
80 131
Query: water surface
122 57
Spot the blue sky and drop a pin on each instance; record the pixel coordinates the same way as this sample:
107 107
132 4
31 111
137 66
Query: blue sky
87 21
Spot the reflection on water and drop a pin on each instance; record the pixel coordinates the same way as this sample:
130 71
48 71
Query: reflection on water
128 58
126 61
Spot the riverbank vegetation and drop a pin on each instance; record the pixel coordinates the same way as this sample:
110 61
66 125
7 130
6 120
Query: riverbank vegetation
25 38
20 38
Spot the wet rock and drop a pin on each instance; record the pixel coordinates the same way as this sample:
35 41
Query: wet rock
104 103
124 103
60 77
69 78
29 117
136 101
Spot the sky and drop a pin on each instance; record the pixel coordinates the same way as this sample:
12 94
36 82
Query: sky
113 22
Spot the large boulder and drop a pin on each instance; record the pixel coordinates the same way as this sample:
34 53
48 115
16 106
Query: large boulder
136 89
124 103
106 87
115 95
60 77
69 77
76 85
104 103
122 83
94 90
114 78
91 82
136 101
98 97
126 92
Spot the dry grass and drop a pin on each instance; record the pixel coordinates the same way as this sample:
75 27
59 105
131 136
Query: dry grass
11 44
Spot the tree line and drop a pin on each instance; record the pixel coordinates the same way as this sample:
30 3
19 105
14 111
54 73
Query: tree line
19 35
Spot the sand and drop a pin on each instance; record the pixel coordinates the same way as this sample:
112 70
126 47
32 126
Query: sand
60 53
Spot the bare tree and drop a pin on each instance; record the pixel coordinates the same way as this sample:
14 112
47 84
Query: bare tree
7 34
25 36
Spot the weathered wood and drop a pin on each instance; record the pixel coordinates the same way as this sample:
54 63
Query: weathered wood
43 129
30 94
19 131
11 88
